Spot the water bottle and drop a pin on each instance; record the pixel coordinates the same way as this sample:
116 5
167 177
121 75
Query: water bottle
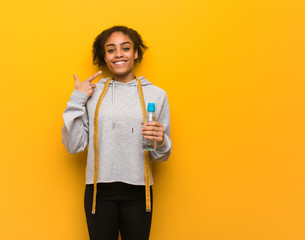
148 144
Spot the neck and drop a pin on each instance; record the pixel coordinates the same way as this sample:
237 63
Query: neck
124 78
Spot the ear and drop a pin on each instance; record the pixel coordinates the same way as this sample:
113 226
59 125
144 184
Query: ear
135 54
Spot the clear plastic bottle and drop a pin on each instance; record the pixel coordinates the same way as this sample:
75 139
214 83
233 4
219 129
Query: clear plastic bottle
148 144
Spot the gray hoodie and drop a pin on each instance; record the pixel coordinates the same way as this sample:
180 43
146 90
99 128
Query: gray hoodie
121 157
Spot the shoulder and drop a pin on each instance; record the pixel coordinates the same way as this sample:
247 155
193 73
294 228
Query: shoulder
157 91
153 89
101 82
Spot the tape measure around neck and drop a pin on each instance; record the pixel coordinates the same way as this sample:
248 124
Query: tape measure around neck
147 161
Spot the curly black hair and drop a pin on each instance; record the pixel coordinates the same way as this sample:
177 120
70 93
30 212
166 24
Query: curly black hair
98 49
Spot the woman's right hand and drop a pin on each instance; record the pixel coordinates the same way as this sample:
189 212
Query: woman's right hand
86 86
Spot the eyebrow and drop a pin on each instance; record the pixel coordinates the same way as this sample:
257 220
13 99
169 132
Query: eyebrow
111 44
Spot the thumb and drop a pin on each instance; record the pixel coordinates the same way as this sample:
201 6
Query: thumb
76 79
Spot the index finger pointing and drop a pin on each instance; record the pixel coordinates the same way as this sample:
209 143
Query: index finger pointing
90 79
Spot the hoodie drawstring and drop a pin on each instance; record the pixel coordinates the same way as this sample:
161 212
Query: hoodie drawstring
132 121
134 107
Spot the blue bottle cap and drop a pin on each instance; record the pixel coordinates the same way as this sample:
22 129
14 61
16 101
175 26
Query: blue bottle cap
151 107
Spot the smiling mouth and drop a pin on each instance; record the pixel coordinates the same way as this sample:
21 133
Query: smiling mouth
119 63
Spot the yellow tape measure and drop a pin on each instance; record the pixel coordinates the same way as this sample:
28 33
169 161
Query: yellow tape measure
147 162
147 159
98 105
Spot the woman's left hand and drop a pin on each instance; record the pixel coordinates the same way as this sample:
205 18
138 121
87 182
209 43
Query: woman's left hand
153 131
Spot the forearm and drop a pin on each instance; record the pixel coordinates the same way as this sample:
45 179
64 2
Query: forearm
75 128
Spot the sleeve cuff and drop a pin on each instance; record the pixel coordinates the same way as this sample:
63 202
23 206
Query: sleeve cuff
164 146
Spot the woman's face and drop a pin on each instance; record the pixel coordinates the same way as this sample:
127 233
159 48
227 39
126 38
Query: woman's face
120 54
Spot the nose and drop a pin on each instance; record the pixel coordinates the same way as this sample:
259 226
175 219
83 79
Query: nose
118 53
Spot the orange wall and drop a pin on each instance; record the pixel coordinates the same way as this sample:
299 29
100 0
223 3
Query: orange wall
234 74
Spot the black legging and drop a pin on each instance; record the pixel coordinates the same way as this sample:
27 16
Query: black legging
119 207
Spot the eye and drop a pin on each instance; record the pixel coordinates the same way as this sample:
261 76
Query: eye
126 48
110 50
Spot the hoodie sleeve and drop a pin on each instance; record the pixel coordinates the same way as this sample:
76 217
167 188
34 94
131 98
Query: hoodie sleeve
75 129
163 151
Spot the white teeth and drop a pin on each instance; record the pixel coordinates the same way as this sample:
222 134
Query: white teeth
119 63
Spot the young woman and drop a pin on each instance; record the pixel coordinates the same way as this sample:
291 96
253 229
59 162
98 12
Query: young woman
108 118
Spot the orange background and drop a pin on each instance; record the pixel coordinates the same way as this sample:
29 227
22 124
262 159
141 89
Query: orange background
234 74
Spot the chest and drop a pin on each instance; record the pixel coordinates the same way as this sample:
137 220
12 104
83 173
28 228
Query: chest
120 105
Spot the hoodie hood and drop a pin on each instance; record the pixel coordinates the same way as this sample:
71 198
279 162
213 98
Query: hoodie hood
133 83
